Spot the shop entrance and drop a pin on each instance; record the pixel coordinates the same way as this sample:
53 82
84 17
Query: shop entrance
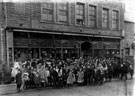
86 49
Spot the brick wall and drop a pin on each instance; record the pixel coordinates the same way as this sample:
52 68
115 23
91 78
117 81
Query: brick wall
2 38
27 20
3 53
31 18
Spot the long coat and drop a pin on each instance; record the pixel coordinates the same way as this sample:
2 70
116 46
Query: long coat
36 78
43 75
71 78
19 78
80 78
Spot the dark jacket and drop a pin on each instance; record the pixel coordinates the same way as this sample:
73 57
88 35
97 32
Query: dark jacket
19 78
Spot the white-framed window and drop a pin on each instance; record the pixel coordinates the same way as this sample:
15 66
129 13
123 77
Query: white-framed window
80 13
105 18
47 11
92 16
63 12
114 19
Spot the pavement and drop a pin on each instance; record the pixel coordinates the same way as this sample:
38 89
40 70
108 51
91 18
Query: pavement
7 89
114 88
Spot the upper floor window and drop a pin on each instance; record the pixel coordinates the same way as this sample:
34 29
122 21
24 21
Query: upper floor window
80 13
20 7
63 12
92 16
127 51
105 17
47 11
115 19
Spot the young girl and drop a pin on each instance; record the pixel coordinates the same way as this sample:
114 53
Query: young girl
25 79
70 78
80 78
36 79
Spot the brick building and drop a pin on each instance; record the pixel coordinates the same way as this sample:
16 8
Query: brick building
62 30
129 39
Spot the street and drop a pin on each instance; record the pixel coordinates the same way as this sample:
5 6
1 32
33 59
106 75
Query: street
114 88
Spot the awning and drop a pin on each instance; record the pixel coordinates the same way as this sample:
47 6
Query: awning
107 36
32 30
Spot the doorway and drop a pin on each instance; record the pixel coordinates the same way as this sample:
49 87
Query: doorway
86 49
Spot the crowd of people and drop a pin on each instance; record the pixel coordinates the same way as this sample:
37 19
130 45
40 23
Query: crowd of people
38 73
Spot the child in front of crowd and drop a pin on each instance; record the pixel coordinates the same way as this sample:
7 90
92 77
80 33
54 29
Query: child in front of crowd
70 78
19 80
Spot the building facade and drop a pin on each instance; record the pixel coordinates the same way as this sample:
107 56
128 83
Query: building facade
129 39
60 30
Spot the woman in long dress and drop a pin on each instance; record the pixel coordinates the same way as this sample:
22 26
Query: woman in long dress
43 76
36 79
70 78
80 78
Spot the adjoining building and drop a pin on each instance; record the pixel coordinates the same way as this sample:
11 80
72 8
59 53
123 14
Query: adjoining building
60 29
129 43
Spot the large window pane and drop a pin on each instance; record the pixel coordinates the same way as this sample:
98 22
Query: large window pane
80 13
47 11
115 19
92 16
105 18
63 12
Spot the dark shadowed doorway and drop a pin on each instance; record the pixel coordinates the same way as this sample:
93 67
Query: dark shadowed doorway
86 49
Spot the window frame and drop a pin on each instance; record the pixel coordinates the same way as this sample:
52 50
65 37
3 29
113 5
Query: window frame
43 19
95 15
117 19
83 4
107 10
67 13
127 51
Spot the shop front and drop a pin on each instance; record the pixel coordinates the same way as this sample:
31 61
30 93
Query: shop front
37 45
27 45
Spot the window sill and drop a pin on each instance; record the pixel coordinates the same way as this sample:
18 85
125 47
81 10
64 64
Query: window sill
63 23
115 29
92 27
105 28
80 25
57 23
46 21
